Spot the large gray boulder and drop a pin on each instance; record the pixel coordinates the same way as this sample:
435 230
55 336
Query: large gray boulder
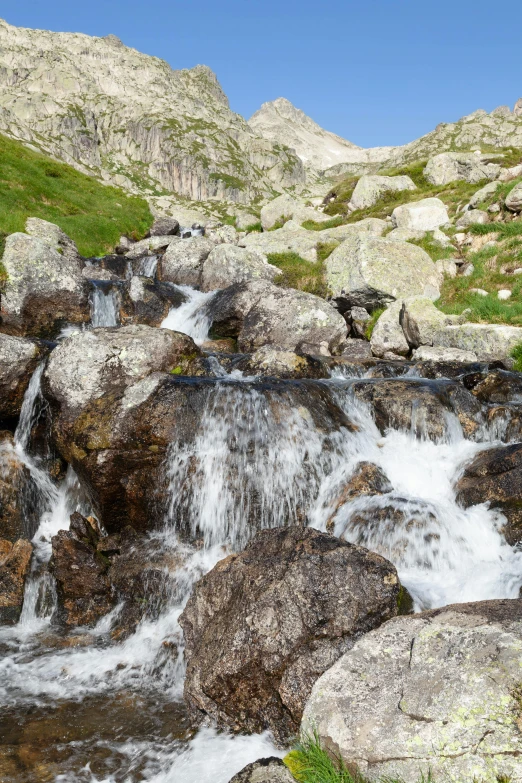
287 208
514 199
369 272
52 235
422 321
484 193
264 624
259 313
18 360
387 335
151 246
269 770
45 287
88 365
451 166
182 262
427 214
371 187
229 264
488 342
432 693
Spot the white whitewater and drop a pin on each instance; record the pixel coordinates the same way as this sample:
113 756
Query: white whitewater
192 316
263 456
104 305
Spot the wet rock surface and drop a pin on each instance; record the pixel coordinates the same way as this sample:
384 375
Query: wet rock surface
495 476
263 625
18 360
17 517
15 560
423 684
269 770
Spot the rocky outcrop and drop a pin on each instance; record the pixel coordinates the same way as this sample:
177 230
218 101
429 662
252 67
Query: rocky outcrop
370 272
436 693
495 477
259 313
15 561
182 262
452 166
44 290
269 770
273 362
370 189
487 341
17 514
388 335
18 360
228 264
147 301
425 215
263 625
131 120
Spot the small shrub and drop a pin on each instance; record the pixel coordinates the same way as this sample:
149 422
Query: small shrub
516 354
371 323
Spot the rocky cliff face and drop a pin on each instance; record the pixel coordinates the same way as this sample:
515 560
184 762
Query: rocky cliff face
131 120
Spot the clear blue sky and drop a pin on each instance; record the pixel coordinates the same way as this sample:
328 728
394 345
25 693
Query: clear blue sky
374 71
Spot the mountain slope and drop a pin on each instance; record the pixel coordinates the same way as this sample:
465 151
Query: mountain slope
130 119
92 214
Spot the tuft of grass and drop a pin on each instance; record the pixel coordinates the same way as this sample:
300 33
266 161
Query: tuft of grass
324 249
433 248
371 323
502 230
311 225
254 227
516 354
92 214
299 273
280 222
229 181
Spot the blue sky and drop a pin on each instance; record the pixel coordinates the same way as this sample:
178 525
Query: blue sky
374 71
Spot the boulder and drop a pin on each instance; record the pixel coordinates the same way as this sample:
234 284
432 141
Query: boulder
514 198
285 208
18 518
472 216
368 480
495 385
292 238
434 694
370 272
488 342
425 215
15 562
419 406
264 624
430 353
421 321
269 770
151 246
245 220
359 320
354 349
446 267
148 301
18 360
506 175
88 365
405 235
274 362
220 234
370 189
229 264
483 194
53 236
164 226
44 290
387 333
259 313
451 166
495 477
182 262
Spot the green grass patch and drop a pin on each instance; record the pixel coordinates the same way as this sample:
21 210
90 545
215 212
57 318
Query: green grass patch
434 249
92 214
280 222
324 249
502 230
371 323
516 354
254 227
299 273
311 225
230 182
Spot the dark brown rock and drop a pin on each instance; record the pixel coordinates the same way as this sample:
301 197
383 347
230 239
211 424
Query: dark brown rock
368 479
497 387
263 625
419 405
269 770
147 301
164 226
15 562
495 476
18 360
17 517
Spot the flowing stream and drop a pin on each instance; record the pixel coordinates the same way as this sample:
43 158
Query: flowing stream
90 709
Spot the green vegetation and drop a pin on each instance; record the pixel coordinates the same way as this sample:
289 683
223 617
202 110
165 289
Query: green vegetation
516 354
502 230
324 249
300 274
433 248
254 227
310 763
93 215
280 222
371 323
229 180
311 225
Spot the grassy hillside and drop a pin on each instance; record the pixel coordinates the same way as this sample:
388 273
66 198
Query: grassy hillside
94 215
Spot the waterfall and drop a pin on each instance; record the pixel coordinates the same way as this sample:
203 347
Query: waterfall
104 304
147 266
192 316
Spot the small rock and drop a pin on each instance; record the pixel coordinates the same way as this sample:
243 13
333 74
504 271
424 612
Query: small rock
472 216
504 294
514 199
479 291
269 770
425 215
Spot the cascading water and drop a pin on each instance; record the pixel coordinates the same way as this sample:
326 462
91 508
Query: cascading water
147 266
104 304
192 316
